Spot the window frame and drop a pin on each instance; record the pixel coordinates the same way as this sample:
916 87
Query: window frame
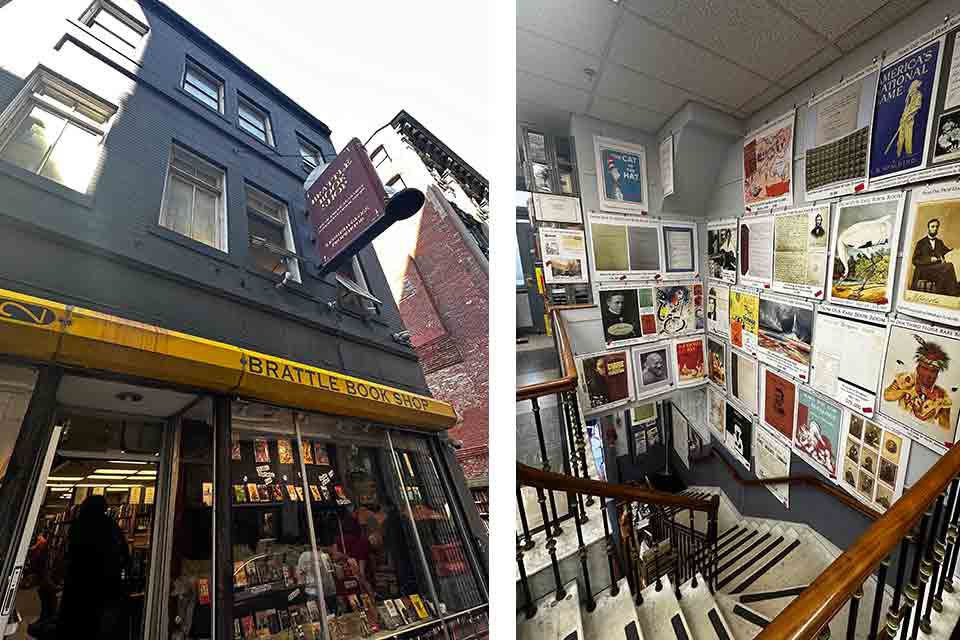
303 142
32 95
222 222
243 102
190 64
88 19
292 262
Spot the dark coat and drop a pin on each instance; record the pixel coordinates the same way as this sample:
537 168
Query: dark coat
929 266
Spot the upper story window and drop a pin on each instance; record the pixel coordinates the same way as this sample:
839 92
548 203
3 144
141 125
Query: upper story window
310 156
55 130
254 120
193 200
203 85
376 158
111 25
271 237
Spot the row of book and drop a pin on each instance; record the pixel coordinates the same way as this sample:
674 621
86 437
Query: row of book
301 618
252 492
311 452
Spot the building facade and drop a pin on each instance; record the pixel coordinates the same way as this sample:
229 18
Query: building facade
168 342
442 285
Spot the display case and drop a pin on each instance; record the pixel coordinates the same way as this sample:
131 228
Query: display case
549 162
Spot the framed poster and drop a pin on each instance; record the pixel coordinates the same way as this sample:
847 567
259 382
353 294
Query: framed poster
620 311
642 415
718 309
666 166
680 250
541 177
717 362
839 369
800 251
654 369
716 412
744 318
785 335
865 234
836 162
564 256
621 175
551 208
536 146
902 112
875 455
606 380
722 250
680 432
818 434
679 308
743 374
624 248
738 437
768 165
929 287
690 361
921 382
756 251
771 459
778 403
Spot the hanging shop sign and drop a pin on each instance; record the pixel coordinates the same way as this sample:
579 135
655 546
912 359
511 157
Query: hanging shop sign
347 206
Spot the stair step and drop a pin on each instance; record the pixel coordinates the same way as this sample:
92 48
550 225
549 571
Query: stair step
743 620
701 612
751 559
786 555
615 617
802 566
660 614
744 549
555 620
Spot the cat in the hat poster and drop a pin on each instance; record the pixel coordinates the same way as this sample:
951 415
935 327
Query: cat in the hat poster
621 175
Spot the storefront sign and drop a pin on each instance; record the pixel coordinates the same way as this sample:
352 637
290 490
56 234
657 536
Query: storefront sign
347 206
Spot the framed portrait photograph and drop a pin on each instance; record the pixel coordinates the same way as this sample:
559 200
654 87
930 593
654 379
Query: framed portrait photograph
621 175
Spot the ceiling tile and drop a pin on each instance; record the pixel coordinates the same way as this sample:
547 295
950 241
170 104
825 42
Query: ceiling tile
584 24
555 61
887 16
644 47
531 88
806 69
642 91
829 17
758 102
628 116
752 33
547 118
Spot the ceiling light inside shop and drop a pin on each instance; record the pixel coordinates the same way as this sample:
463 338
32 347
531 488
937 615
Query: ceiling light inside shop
115 489
128 462
57 487
113 472
65 479
89 485
106 477
146 473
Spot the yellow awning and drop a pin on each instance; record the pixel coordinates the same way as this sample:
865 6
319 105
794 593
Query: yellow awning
47 331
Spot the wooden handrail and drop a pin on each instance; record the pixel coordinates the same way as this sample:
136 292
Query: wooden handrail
568 365
804 480
816 606
528 476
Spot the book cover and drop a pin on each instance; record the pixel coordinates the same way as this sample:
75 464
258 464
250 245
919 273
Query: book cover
418 606
235 449
277 492
320 453
239 574
253 492
306 450
249 628
313 611
203 590
299 493
315 492
341 495
261 450
403 610
237 629
292 492
239 493
207 494
283 617
284 451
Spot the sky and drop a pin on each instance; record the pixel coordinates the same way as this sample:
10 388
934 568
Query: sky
355 64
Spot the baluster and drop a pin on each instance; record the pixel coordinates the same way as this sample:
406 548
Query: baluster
676 547
911 593
893 615
939 555
632 553
656 552
878 598
582 552
953 558
614 581
854 610
922 616
581 440
551 547
950 527
529 544
545 465
695 549
529 608
712 537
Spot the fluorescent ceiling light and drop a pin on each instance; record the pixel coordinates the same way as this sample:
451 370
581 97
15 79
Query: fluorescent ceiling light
114 489
129 462
106 477
115 471
146 473
65 479
57 487
122 486
103 484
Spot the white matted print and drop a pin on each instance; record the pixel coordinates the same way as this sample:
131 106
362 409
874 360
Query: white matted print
653 369
717 361
874 460
743 372
929 287
606 380
839 368
785 334
689 359
756 251
866 231
624 248
744 318
722 250
621 175
800 251
718 308
768 164
552 208
564 255
921 381
680 249
778 403
620 313
771 459
738 434
716 412
818 436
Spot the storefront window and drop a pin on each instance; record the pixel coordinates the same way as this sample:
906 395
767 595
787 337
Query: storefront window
16 388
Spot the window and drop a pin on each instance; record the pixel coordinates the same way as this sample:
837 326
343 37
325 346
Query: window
110 25
254 121
193 202
55 131
271 238
203 85
378 152
310 156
